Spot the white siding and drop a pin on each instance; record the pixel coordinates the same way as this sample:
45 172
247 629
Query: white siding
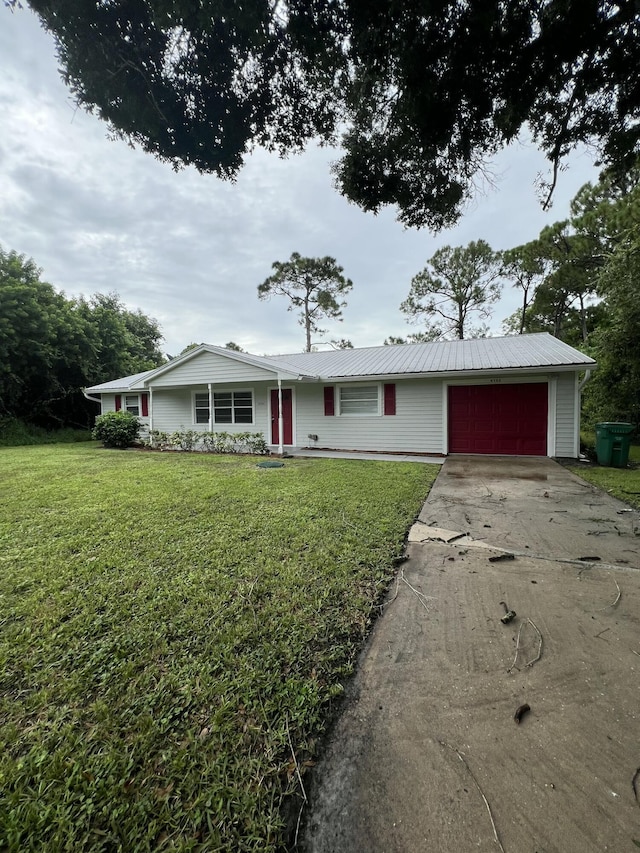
108 403
566 427
173 410
209 367
416 426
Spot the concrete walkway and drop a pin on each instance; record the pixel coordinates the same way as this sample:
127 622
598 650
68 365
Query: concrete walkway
356 454
426 755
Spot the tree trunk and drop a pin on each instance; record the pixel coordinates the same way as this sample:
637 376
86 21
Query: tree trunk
525 305
583 320
460 324
307 322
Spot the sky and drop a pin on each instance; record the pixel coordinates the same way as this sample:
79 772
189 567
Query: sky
189 250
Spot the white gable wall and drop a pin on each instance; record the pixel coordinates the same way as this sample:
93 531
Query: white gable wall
210 367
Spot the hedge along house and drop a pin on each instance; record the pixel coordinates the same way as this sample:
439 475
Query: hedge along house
516 395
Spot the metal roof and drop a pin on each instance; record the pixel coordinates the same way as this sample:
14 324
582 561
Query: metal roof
516 351
126 383
442 357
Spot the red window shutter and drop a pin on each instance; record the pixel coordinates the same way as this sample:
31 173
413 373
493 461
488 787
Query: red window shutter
389 399
329 400
144 399
118 402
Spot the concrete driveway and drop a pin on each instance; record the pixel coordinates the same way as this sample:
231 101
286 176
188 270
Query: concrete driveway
426 755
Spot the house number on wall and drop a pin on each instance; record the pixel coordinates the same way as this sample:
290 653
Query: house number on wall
495 381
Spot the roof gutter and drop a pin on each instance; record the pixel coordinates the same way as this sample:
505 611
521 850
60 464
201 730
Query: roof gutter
89 397
587 377
468 373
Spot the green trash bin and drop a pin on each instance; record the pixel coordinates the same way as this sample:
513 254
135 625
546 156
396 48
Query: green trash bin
613 441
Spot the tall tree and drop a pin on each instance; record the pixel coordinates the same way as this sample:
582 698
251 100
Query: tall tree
524 266
589 295
573 255
315 286
45 350
456 283
125 342
425 92
51 347
614 391
613 394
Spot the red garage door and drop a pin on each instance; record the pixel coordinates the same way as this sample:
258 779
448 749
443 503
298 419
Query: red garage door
506 419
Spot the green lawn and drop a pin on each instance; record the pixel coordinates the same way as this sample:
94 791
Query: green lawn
623 483
173 629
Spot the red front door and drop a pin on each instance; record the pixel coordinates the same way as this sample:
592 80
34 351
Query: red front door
500 419
287 417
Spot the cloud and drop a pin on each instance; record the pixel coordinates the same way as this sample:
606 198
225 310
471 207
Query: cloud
190 250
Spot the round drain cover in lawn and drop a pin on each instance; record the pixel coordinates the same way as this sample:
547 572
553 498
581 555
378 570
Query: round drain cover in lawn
270 463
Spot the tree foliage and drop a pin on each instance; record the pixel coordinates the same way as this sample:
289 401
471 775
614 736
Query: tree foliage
51 347
614 224
124 341
525 266
457 283
588 295
315 286
416 338
420 94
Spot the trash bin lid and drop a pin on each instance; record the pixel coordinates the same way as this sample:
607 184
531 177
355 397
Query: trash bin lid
616 427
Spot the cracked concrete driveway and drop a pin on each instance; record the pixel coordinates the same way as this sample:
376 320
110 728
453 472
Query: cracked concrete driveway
426 755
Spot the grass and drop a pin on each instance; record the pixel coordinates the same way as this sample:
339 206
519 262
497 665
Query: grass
170 627
623 483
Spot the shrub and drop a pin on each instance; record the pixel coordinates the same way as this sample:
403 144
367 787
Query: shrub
221 442
117 429
159 440
185 439
208 441
241 442
212 442
256 443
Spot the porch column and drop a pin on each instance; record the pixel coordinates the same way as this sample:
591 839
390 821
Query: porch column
210 408
280 419
150 410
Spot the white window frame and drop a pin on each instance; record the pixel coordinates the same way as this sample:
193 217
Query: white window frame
138 406
195 407
233 422
338 407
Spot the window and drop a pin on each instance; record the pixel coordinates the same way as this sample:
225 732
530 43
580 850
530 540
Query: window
233 407
359 400
201 407
132 404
